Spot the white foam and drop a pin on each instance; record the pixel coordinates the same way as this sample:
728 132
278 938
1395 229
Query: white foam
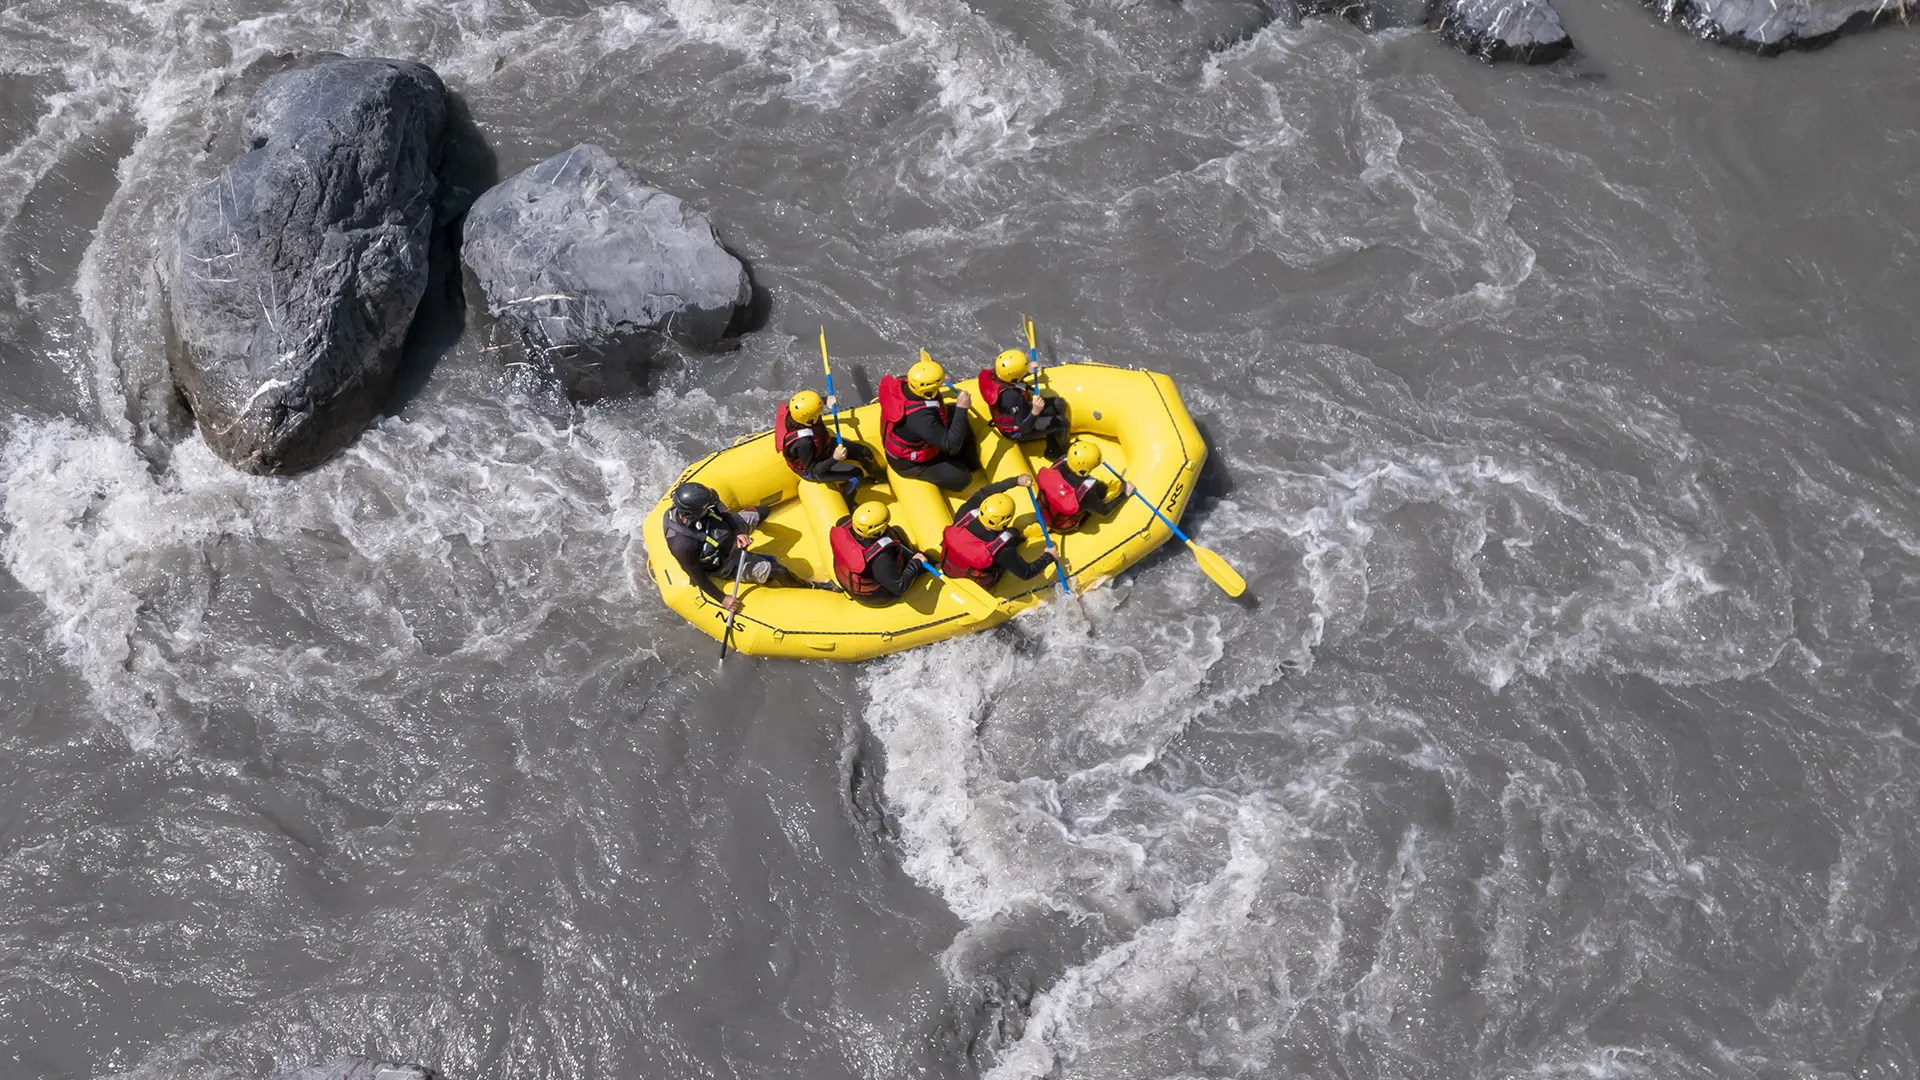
992 92
85 520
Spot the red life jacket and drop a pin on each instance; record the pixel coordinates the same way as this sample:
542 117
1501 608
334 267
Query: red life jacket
786 434
1065 502
990 390
970 555
895 406
852 554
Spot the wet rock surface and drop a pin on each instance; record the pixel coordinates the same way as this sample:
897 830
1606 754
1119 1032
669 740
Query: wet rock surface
294 274
1774 26
1520 31
1524 31
595 271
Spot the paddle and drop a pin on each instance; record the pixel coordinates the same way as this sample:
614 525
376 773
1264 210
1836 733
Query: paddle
1212 564
739 568
1059 564
954 390
831 396
980 603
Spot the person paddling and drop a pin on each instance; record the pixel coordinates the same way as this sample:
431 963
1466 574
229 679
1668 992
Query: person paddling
1018 409
872 560
810 450
709 541
922 435
1070 492
981 545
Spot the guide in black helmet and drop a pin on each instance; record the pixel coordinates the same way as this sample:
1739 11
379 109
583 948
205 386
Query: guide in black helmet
709 541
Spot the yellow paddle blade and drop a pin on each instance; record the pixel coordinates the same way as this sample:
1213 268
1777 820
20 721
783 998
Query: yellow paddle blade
926 357
823 351
1029 322
1216 568
980 603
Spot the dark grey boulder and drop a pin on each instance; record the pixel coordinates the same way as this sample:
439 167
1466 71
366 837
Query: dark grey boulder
1774 26
594 271
1373 15
1523 31
295 273
360 1068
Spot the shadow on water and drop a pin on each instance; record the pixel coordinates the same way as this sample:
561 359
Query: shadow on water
862 384
468 167
759 309
1216 481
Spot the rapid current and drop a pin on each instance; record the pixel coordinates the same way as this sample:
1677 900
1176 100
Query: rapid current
1565 422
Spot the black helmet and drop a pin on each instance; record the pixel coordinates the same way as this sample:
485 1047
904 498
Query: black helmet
694 500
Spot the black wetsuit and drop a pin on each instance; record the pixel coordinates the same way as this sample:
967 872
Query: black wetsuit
895 569
959 454
1008 558
711 550
1050 422
1091 505
817 463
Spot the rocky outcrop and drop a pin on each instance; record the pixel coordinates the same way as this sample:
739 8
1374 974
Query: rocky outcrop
1774 26
294 275
594 271
1523 31
360 1068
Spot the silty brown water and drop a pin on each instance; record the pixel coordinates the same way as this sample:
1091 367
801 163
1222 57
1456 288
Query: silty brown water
1562 422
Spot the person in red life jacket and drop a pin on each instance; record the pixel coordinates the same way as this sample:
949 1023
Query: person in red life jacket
1070 491
710 541
871 558
811 450
981 545
1019 410
924 437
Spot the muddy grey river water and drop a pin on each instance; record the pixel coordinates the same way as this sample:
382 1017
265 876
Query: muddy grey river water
1563 421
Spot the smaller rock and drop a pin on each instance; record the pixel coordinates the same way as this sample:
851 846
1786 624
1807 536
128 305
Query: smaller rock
360 1068
1523 31
1774 26
595 271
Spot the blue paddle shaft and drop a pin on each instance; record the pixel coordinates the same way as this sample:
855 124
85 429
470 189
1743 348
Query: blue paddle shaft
1048 533
1033 358
836 403
1150 506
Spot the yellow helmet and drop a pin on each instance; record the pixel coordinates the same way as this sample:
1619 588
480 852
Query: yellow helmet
804 407
926 377
870 520
996 511
1010 366
1083 456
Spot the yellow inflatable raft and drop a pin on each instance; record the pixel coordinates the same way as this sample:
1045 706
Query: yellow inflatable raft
1136 416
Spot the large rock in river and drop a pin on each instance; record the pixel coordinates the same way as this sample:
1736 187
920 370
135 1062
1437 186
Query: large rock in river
1523 31
360 1068
594 270
1526 31
295 273
1774 26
